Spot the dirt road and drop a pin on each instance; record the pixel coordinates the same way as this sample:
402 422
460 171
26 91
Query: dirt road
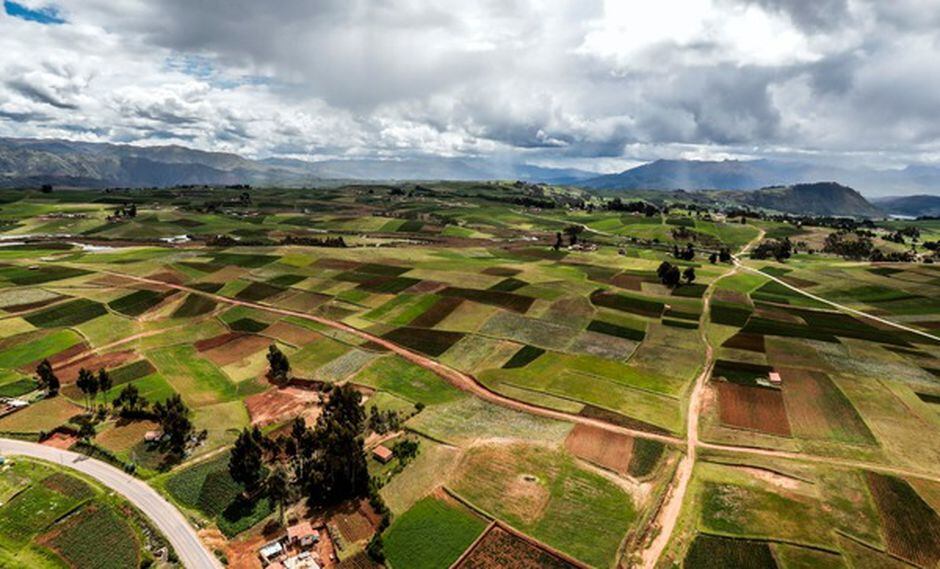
164 515
458 379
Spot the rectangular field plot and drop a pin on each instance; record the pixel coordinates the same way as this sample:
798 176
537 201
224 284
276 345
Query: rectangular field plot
69 313
502 548
432 534
754 408
911 526
544 493
138 302
624 303
23 276
817 408
407 380
430 342
95 537
30 347
612 451
717 552
507 300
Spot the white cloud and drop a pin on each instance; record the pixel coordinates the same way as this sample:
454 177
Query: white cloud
577 82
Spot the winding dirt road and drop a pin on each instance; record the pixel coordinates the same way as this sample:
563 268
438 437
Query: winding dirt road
163 514
458 379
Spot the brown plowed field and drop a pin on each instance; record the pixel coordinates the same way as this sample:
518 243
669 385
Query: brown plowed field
290 334
69 373
612 451
237 349
754 408
216 341
277 405
501 549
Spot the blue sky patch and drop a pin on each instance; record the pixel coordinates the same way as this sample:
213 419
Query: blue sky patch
44 15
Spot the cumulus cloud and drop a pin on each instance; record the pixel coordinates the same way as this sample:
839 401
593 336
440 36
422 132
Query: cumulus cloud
589 83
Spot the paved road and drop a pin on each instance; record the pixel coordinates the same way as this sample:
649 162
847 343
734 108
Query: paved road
162 514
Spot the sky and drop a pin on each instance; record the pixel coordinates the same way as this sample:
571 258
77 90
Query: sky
592 84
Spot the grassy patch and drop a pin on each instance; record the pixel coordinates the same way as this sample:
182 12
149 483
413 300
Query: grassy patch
405 379
431 534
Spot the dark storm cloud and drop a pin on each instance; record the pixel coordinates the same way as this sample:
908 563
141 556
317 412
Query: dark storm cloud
40 94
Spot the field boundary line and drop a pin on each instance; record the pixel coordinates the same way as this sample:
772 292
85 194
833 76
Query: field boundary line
468 504
838 306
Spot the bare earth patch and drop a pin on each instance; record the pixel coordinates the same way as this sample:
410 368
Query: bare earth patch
277 405
609 450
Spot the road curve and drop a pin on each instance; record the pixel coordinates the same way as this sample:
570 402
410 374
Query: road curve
171 523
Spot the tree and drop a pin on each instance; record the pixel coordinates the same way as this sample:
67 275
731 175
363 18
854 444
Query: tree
713 258
129 400
689 275
47 378
278 364
247 459
86 430
277 488
724 255
104 381
173 416
572 231
558 242
86 383
338 468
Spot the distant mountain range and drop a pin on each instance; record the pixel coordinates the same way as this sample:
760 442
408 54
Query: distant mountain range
753 174
790 186
911 206
62 162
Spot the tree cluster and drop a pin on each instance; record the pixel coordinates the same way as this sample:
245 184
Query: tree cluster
671 276
686 254
173 416
848 245
383 422
647 209
314 241
91 384
326 463
779 249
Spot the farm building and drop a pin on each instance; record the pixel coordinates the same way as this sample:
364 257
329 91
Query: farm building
775 378
153 436
302 534
382 454
271 551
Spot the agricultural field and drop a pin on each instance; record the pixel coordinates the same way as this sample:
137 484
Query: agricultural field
51 518
547 391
